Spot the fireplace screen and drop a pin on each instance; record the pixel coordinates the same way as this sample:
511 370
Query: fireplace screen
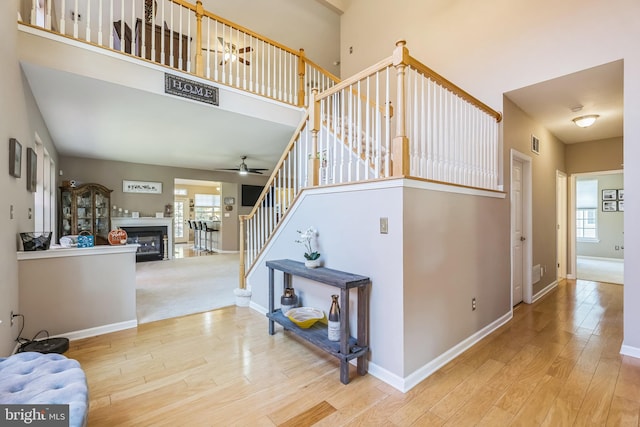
151 241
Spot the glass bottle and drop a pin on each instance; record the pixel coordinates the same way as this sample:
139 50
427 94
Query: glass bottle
334 320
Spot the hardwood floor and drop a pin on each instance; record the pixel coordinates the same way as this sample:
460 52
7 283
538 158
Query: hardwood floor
557 363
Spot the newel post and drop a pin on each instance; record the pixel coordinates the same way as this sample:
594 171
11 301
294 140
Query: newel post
199 62
400 148
243 237
314 160
301 73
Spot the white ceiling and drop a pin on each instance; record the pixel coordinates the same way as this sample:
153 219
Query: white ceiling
599 90
92 118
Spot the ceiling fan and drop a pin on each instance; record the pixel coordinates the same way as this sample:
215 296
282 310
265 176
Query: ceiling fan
243 169
229 52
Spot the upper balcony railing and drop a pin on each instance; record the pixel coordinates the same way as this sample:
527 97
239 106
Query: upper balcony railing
184 36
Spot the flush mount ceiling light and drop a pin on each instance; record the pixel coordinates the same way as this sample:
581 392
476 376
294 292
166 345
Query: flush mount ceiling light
585 121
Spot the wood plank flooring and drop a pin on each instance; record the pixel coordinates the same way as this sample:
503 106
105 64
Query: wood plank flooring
557 363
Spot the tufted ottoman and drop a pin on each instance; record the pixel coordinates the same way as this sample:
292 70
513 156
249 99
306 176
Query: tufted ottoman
36 378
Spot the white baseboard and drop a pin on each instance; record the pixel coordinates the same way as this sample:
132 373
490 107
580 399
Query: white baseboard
571 276
601 258
627 350
91 332
99 330
551 286
419 375
260 309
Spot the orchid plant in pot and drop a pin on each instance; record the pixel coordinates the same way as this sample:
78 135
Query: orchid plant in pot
312 257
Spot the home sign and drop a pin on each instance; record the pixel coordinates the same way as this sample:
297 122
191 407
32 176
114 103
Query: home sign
190 89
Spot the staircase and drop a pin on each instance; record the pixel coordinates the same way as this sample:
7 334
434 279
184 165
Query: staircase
395 119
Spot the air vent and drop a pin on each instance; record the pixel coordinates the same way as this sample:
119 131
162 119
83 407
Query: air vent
535 144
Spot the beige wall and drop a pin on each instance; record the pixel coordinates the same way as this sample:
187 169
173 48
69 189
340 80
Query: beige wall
455 248
610 224
111 174
517 128
595 156
19 119
74 293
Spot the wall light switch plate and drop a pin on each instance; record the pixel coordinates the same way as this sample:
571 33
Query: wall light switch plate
384 225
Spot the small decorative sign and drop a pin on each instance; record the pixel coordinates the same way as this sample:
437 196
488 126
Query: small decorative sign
141 187
117 237
190 89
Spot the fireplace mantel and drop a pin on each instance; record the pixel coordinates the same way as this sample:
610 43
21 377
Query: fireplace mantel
148 222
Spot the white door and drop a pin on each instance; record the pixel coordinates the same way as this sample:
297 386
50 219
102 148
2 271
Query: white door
518 234
180 226
561 209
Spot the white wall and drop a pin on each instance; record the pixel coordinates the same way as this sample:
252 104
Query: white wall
438 254
349 240
491 47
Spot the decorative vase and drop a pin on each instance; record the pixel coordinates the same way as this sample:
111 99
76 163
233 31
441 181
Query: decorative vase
312 263
333 331
288 300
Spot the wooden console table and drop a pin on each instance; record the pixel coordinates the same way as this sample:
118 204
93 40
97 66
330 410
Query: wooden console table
348 347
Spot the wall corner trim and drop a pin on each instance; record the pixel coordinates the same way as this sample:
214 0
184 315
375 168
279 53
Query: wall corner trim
551 286
627 350
427 370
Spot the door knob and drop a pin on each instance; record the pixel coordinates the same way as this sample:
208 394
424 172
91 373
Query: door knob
522 238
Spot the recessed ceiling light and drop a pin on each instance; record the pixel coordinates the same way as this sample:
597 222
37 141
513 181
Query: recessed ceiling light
585 121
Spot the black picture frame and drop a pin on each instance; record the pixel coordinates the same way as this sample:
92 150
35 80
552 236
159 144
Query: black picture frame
32 170
609 206
609 195
15 158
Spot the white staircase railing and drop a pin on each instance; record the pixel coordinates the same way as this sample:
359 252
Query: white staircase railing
397 118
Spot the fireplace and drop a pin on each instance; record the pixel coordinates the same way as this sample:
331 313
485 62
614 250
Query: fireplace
151 241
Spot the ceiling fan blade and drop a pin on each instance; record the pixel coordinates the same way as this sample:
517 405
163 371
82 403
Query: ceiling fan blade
244 61
245 49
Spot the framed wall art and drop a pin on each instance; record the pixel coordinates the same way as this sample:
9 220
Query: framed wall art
15 157
141 187
620 205
32 170
609 206
621 194
609 195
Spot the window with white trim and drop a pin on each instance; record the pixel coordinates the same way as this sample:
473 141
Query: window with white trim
587 210
207 207
45 195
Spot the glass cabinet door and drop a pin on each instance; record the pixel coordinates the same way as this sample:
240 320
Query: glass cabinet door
102 226
84 211
66 214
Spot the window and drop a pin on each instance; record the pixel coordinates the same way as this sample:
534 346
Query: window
207 207
587 210
45 195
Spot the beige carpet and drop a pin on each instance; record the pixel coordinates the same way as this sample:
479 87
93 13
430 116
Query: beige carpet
600 269
177 287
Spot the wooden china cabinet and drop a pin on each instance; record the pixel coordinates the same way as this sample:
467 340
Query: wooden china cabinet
86 208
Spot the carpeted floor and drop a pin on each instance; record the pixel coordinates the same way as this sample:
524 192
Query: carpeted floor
600 269
177 287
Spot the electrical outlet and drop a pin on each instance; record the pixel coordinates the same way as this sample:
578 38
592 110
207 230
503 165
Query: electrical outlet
473 304
384 225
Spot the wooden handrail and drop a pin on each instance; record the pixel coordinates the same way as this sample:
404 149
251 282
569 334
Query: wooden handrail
428 72
355 78
276 169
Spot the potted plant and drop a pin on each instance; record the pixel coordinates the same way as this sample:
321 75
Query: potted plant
312 257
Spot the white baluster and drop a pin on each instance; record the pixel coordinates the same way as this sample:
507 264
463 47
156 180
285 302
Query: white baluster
87 33
100 40
62 18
